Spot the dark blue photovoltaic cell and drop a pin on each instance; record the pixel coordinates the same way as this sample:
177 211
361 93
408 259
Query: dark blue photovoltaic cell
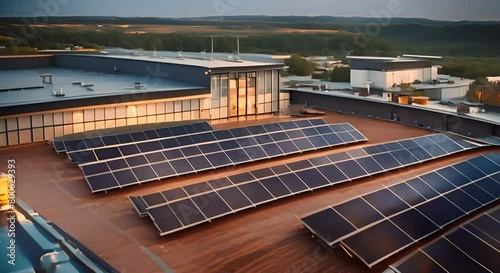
219 159
318 142
138 136
139 205
454 176
144 173
490 186
317 121
279 136
414 224
446 213
174 194
385 202
324 129
95 169
293 182
153 199
211 204
387 161
229 144
235 198
393 146
247 141
272 149
339 157
187 212
238 156
190 151
288 147
422 188
483 235
220 183
303 144
181 166
318 161
151 134
155 157
173 154
239 132
370 165
333 174
485 165
129 149
178 130
407 193
476 249
102 182
110 140
117 164
169 143
82 156
494 157
299 165
185 140
434 150
328 224
337 128
163 169
107 153
295 133
93 142
313 178
450 146
275 187
149 146
124 138
256 192
346 137
261 173
469 170
255 153
376 242
478 194
408 143
420 153
333 139
164 132
404 157
488 225
287 125
310 132
164 218
356 153
125 177
137 160
200 163
451 258
206 137
371 150
302 123
420 263
495 214
59 146
272 127
351 169
437 182
75 145
357 135
256 129
358 212
463 200
241 178
210 148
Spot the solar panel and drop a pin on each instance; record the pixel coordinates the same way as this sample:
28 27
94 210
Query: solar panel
446 213
312 178
420 263
212 205
385 202
256 192
187 212
358 212
377 242
275 187
407 193
414 224
328 224
451 258
164 219
235 198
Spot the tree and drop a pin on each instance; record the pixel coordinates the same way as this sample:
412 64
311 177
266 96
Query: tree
481 81
299 66
341 74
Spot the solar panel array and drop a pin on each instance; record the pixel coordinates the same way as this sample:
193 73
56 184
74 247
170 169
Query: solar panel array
472 247
75 145
377 225
215 198
142 162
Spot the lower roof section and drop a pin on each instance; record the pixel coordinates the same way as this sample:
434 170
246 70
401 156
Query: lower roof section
23 90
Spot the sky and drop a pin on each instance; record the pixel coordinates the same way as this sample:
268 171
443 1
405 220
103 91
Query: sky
453 10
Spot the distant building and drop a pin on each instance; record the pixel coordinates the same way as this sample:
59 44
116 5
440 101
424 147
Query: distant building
495 79
325 63
43 97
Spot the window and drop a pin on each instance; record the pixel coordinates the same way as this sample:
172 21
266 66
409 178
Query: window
223 86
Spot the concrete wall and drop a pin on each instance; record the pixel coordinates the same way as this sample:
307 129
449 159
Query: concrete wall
402 113
174 72
385 79
458 92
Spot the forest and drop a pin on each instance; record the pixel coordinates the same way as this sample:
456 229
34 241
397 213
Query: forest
470 49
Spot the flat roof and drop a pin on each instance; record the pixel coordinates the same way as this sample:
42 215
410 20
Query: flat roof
490 117
193 60
268 238
103 85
